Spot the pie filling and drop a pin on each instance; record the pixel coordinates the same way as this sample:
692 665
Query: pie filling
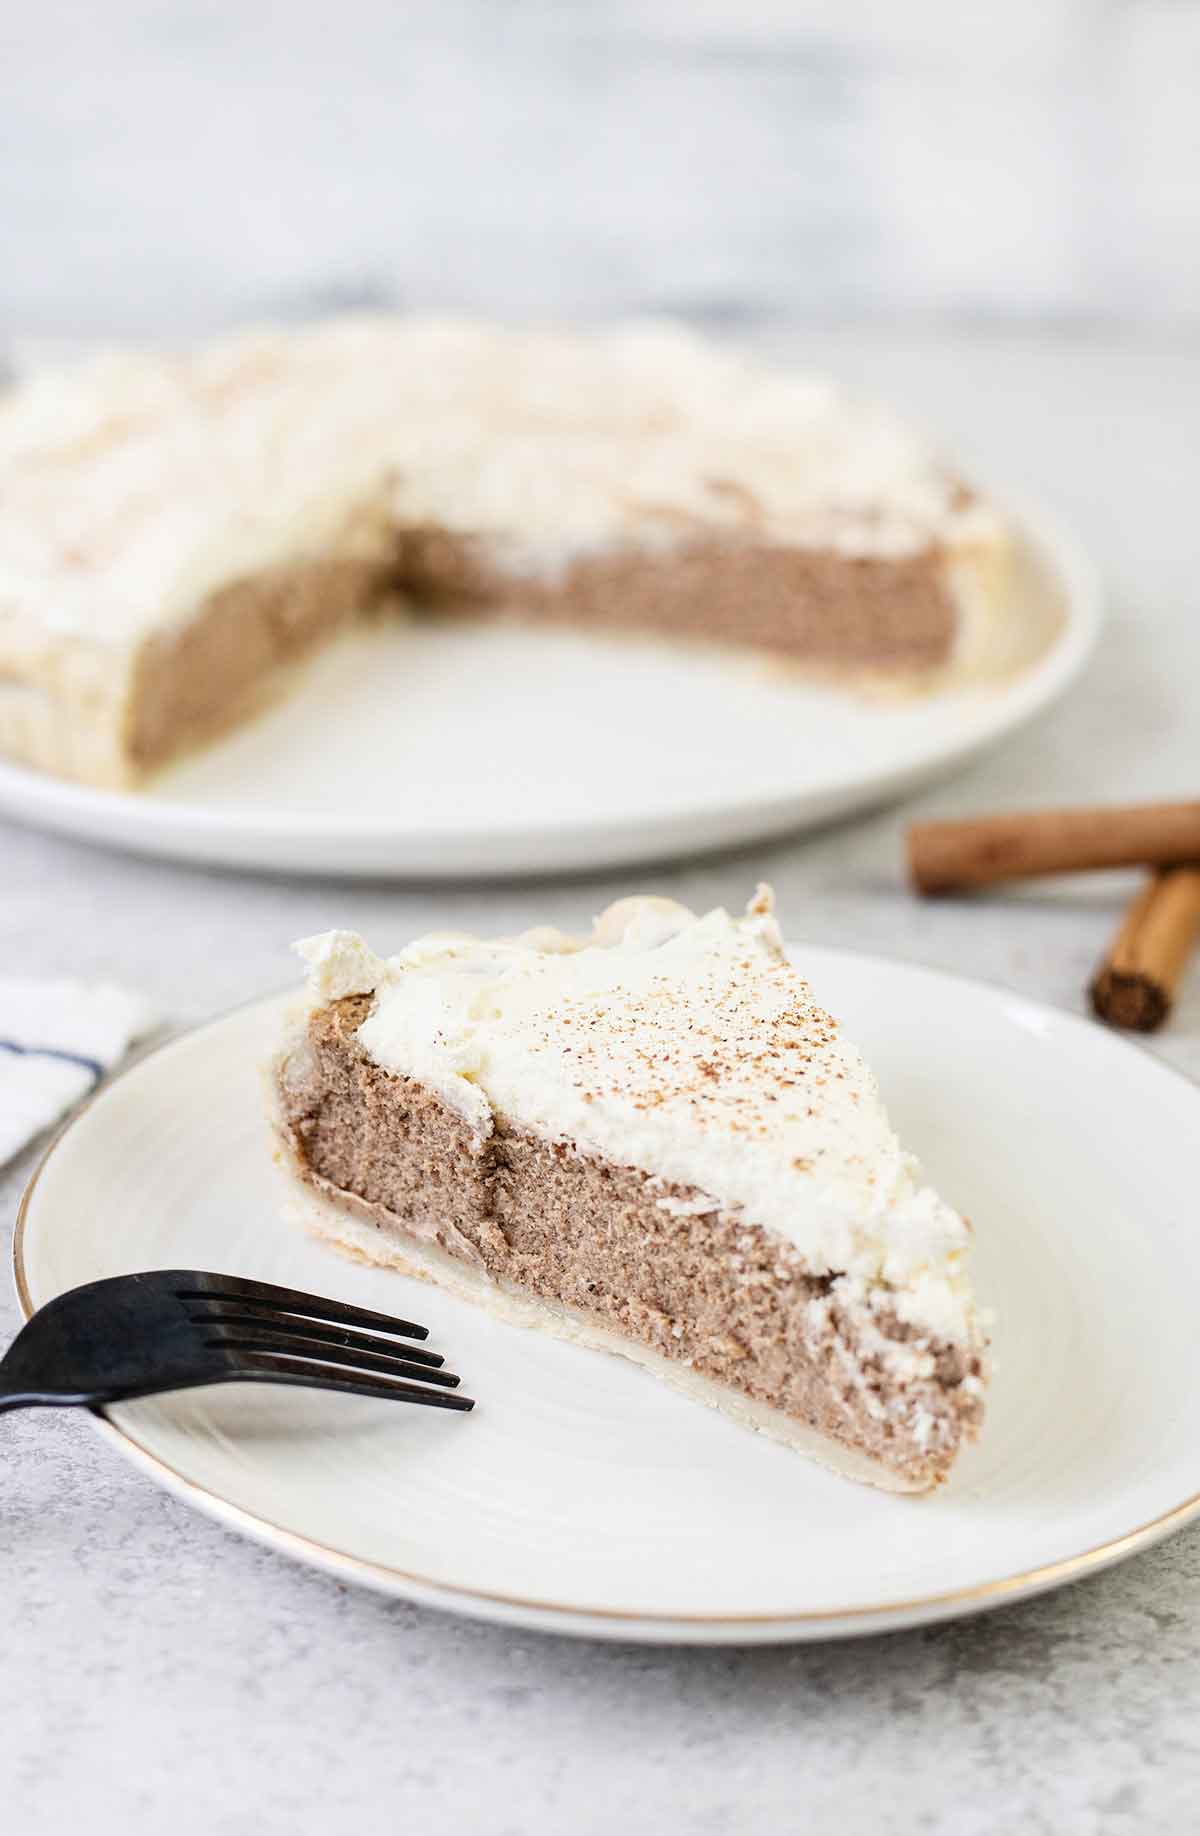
197 678
643 1259
857 612
841 613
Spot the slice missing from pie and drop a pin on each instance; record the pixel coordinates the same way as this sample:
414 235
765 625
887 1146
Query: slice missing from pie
178 533
650 1140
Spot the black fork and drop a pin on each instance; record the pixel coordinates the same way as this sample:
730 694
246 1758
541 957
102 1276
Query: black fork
174 1329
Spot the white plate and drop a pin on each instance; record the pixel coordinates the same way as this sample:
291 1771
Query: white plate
581 1495
462 752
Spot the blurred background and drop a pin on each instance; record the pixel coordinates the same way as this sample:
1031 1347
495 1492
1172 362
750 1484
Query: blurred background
734 161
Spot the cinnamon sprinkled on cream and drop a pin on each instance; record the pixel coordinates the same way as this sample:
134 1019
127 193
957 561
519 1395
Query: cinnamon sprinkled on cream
688 1047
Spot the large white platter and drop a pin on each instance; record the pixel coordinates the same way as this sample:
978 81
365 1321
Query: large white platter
581 1496
462 752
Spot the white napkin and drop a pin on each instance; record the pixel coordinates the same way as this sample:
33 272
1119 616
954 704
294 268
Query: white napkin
57 1040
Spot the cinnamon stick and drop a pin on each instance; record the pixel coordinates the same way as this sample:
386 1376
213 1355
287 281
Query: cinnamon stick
948 857
1136 983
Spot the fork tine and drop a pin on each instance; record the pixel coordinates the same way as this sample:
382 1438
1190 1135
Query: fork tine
251 1338
268 1367
308 1329
293 1300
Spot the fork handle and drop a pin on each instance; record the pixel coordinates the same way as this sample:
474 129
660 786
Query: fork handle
15 1394
23 1380
38 1399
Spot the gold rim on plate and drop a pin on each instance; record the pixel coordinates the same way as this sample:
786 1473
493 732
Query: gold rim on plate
453 1597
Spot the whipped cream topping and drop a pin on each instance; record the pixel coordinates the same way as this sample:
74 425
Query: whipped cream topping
135 485
685 1046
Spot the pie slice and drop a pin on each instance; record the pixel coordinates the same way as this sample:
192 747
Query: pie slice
178 532
650 1140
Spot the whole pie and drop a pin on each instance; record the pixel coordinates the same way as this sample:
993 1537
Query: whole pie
651 1140
179 532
